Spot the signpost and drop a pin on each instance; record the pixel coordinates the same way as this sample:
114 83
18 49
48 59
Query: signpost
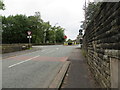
65 37
65 43
29 36
29 32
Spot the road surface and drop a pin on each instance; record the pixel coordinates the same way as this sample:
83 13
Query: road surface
35 69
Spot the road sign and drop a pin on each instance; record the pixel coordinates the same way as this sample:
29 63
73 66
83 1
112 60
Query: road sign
80 32
29 36
65 37
29 32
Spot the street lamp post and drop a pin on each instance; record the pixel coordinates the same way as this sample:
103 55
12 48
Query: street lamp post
44 35
54 37
85 15
55 33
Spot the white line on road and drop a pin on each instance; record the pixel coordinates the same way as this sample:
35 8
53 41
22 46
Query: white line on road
43 50
57 48
29 59
50 51
22 62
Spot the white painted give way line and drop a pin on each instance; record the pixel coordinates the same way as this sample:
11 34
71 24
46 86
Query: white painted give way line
22 62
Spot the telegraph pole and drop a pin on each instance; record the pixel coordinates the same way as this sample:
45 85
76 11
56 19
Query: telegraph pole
55 33
44 36
85 16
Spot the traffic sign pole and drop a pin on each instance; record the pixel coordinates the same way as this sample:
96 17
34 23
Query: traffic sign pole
29 40
65 37
29 36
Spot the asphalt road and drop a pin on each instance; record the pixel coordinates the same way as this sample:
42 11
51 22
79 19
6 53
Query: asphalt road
35 69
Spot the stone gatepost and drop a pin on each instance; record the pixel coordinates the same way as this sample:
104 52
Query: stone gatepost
114 68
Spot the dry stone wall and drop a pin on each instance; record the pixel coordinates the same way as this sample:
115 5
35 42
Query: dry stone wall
102 43
7 48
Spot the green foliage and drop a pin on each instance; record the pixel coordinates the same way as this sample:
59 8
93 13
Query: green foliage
15 30
2 6
90 12
60 35
51 36
91 9
69 41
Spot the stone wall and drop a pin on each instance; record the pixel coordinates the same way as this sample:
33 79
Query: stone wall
7 48
102 44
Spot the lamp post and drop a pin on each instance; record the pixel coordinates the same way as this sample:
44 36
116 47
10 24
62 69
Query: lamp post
85 16
55 33
44 35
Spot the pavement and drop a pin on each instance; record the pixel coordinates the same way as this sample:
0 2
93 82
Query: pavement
78 75
36 69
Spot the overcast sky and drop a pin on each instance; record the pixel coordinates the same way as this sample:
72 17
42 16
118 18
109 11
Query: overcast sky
67 13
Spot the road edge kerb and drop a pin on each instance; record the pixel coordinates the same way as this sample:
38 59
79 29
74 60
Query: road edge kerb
56 83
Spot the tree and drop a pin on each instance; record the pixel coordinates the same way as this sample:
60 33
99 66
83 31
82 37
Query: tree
39 31
90 11
60 35
47 28
15 30
51 35
69 41
35 26
2 6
